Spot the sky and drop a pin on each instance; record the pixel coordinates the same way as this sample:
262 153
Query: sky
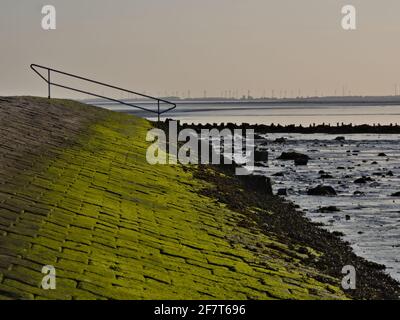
210 47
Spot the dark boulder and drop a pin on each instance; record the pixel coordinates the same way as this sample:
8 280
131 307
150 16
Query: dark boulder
340 138
326 176
260 155
259 184
328 209
363 180
282 192
280 140
382 154
301 162
322 191
286 156
359 193
278 174
396 194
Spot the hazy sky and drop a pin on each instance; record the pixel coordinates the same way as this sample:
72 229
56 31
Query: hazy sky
164 46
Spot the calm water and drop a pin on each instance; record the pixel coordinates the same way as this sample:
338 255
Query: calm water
278 114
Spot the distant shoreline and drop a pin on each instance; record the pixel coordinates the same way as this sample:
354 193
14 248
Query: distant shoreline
342 101
328 129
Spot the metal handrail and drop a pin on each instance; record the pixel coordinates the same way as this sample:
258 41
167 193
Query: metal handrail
50 83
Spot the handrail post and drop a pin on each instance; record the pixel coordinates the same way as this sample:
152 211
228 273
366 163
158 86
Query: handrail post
158 110
48 81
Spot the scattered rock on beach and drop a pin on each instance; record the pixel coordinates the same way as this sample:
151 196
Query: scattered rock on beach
301 162
282 192
396 194
322 191
359 193
293 155
280 140
328 209
382 154
326 176
363 180
278 174
260 155
340 139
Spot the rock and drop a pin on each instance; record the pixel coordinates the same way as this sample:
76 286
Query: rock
382 154
260 155
292 156
259 184
363 180
359 193
282 192
338 233
322 191
278 174
340 139
280 140
326 176
328 209
390 174
396 194
301 162
341 168
347 217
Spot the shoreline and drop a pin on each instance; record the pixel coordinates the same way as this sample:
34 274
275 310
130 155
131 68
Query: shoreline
79 194
329 242
317 128
292 227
